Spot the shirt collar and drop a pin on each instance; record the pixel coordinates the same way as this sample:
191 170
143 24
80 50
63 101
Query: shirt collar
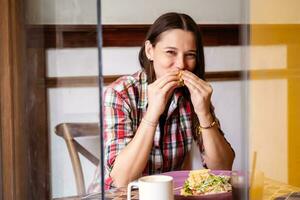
176 100
144 90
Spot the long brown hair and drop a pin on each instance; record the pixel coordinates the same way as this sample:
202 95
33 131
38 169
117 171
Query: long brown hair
167 22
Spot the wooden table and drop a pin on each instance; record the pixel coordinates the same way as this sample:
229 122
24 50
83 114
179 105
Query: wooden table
114 194
272 190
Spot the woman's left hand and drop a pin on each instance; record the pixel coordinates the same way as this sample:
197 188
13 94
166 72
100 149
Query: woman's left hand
200 91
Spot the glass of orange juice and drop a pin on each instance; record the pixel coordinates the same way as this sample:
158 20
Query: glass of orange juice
257 185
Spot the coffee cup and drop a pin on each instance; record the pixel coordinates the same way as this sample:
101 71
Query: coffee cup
158 187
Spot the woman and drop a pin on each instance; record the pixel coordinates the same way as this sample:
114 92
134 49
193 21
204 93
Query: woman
152 116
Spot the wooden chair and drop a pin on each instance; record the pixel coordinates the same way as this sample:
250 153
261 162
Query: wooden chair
70 131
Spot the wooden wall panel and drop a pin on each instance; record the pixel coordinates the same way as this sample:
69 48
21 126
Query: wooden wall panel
13 137
1 177
24 139
36 112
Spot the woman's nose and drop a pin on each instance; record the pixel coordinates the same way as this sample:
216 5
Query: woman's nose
180 64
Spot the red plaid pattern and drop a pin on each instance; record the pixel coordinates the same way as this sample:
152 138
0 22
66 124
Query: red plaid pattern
125 103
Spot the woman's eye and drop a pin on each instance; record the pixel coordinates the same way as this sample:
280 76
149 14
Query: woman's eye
191 56
171 52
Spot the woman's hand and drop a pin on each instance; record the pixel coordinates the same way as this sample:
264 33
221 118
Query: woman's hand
159 93
218 153
200 92
132 160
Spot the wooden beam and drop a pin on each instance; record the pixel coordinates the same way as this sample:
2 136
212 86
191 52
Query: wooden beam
69 36
92 81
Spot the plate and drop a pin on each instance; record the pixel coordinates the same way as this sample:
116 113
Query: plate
179 178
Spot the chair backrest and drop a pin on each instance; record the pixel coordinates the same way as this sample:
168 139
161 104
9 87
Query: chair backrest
70 131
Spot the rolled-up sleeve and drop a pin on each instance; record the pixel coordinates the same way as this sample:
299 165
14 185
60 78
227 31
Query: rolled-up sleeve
117 127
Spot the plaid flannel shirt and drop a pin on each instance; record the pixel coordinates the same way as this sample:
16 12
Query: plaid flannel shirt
125 103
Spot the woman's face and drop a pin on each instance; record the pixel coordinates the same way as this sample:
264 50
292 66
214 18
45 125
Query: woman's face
175 50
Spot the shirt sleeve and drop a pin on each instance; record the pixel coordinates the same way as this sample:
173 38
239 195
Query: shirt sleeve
118 130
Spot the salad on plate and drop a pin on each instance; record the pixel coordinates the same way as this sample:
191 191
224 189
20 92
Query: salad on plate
201 182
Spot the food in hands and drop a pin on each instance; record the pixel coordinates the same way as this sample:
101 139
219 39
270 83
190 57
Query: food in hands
181 81
202 182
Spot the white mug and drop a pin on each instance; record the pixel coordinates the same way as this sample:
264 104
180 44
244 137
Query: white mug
158 187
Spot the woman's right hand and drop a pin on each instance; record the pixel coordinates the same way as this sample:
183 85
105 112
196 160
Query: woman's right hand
159 93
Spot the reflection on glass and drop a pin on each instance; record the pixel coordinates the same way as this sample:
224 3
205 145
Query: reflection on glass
119 116
74 98
72 92
274 80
